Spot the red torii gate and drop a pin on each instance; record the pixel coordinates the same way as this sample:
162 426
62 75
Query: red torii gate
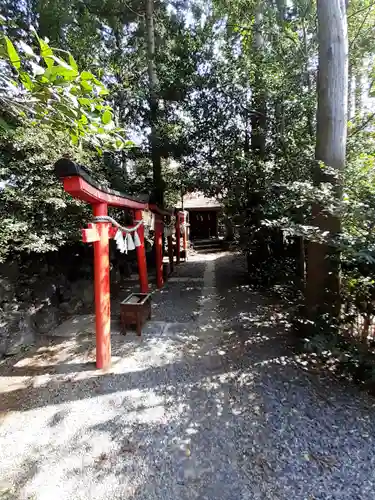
78 182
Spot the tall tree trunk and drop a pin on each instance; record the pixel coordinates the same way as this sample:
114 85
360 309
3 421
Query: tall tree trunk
260 250
279 104
258 118
323 277
154 105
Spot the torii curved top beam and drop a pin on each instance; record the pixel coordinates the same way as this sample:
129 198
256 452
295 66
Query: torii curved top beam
79 183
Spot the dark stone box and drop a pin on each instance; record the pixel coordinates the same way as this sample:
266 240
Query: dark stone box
135 310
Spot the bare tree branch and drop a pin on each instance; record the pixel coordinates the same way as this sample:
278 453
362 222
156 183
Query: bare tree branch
362 126
351 43
361 10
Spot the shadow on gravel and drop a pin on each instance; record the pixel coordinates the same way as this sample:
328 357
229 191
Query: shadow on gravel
29 471
226 415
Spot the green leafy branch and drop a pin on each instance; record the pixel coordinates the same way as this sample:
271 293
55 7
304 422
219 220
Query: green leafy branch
46 87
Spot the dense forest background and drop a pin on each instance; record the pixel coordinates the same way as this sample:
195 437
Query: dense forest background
240 99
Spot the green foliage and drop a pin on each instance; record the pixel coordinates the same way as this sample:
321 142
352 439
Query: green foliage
36 214
48 89
49 109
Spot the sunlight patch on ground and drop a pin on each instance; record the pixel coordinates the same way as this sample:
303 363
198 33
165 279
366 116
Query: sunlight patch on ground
204 257
63 456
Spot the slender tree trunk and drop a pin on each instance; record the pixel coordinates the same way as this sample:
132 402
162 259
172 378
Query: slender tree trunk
323 277
258 145
351 104
359 92
310 111
258 118
281 10
154 105
279 103
280 122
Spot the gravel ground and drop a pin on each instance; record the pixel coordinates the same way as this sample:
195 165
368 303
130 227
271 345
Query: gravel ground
209 404
177 302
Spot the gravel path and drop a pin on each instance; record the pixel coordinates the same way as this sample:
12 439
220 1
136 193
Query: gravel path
209 404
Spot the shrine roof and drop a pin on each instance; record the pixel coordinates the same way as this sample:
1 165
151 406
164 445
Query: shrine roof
198 201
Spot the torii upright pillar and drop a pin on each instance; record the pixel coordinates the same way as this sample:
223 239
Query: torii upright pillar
159 229
170 248
102 289
178 238
184 235
141 255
